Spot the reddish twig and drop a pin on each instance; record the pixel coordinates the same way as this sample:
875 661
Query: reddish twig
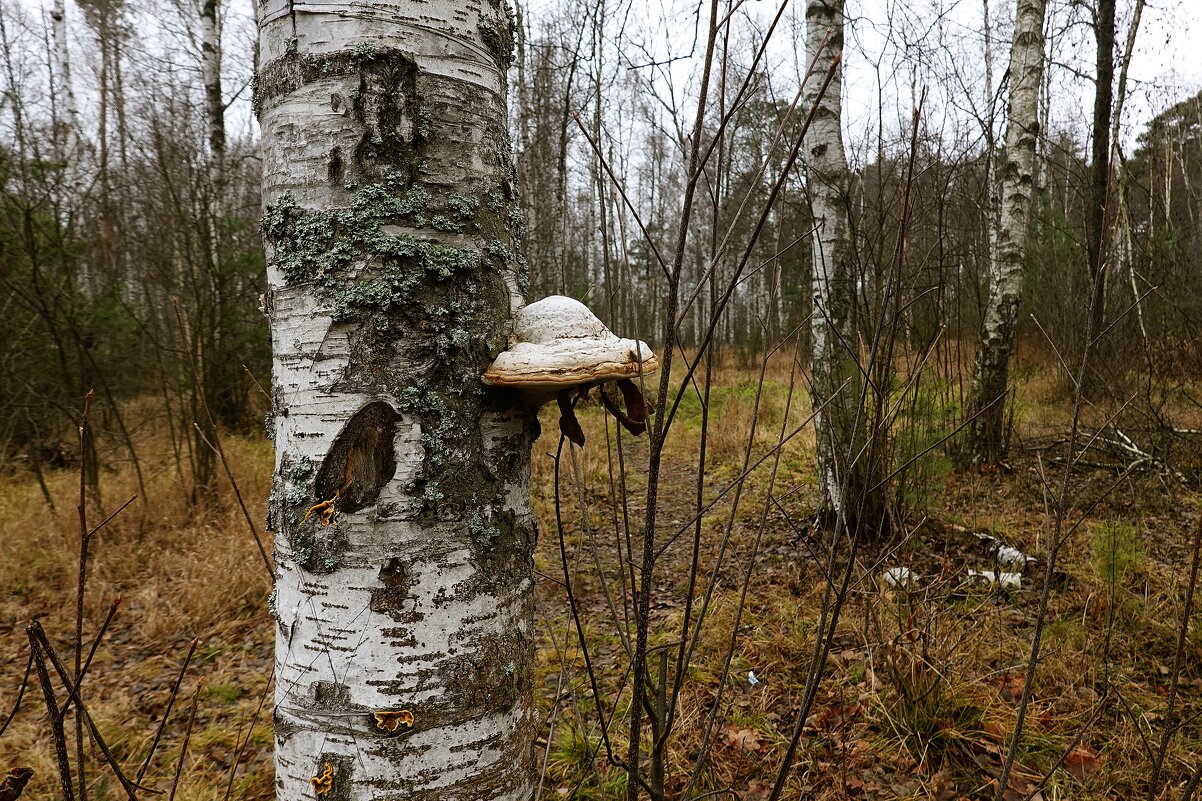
91 653
57 733
85 539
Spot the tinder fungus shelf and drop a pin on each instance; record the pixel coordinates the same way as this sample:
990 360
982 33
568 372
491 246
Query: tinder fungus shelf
558 346
558 343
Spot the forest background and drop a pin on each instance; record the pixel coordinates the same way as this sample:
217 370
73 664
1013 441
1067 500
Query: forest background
132 265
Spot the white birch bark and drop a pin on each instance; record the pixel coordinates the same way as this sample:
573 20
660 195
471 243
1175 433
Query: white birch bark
72 153
832 360
393 273
210 48
58 18
1123 233
986 408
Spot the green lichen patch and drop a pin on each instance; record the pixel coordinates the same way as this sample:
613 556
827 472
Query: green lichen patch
355 266
415 268
317 548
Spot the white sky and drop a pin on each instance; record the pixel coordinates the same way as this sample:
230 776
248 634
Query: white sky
895 47
881 71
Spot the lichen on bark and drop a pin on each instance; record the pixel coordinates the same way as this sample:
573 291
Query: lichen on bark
393 228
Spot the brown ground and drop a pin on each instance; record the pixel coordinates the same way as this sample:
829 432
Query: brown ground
920 688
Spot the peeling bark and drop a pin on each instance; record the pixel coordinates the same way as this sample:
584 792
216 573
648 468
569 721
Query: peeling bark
401 506
985 441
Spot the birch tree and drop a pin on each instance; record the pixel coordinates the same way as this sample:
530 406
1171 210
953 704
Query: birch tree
62 55
210 46
984 441
400 503
837 380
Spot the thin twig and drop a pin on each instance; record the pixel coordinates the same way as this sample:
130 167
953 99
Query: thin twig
1170 717
85 539
108 618
20 694
183 749
167 712
246 740
37 633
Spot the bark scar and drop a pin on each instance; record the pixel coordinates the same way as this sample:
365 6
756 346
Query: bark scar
360 462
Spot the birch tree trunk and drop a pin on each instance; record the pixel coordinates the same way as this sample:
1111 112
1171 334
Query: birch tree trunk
58 16
984 441
837 380
210 45
72 152
404 644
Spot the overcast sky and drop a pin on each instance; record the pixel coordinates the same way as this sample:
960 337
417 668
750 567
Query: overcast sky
894 47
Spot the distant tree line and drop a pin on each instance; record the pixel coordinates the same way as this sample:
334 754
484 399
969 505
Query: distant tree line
129 216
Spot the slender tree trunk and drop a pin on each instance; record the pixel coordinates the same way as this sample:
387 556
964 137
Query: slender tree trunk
837 379
70 141
106 221
985 441
123 137
210 38
210 358
58 16
401 507
1099 179
1124 232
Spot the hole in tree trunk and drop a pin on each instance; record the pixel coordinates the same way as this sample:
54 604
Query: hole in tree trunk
361 460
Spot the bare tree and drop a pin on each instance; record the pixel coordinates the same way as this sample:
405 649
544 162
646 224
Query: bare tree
404 531
1097 217
846 486
985 436
210 43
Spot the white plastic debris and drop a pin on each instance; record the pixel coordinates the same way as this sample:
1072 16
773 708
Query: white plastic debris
1004 555
1012 558
1006 581
899 578
752 679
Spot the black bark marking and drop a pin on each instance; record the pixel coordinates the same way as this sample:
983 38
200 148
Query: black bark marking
329 696
361 460
390 598
387 106
337 169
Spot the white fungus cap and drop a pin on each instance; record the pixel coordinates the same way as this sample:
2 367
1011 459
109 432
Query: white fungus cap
558 343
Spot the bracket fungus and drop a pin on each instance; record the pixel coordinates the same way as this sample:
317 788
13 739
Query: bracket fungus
559 349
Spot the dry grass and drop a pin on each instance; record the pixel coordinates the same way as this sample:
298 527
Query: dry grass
182 573
920 689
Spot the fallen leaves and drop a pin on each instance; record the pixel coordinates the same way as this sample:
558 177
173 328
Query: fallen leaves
744 739
1082 764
